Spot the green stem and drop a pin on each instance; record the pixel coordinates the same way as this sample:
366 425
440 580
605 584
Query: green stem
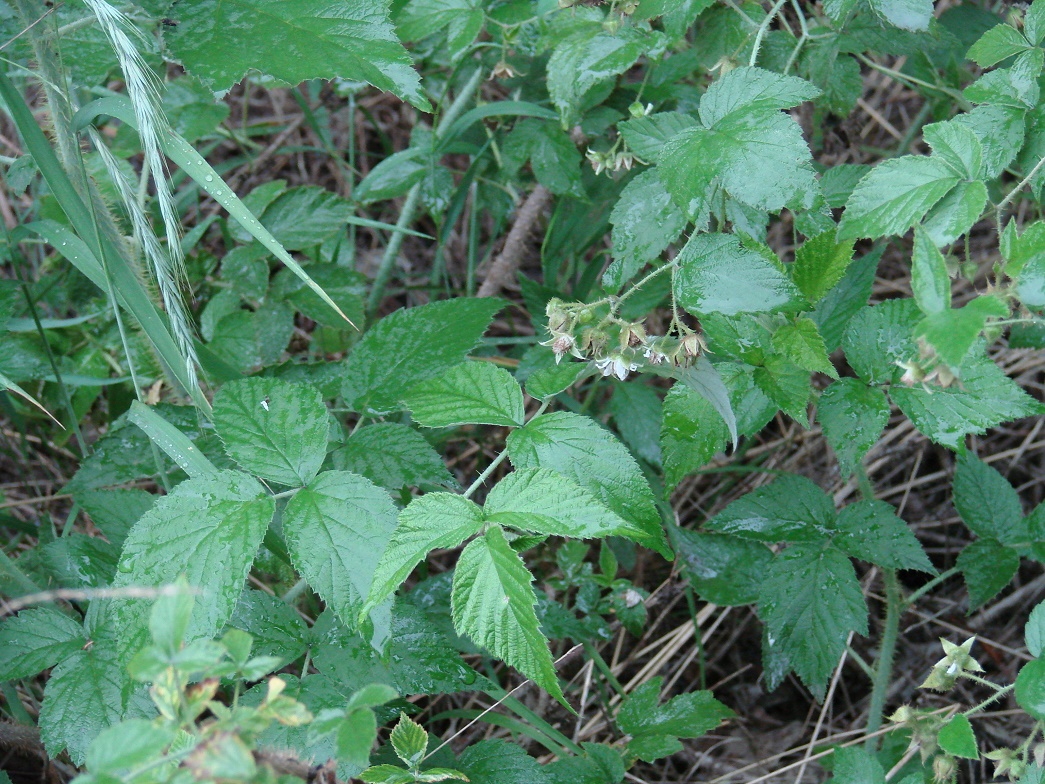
1012 194
413 198
1001 692
886 651
762 29
920 592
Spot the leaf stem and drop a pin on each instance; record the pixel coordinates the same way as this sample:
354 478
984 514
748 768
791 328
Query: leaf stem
886 650
762 29
920 592
1001 692
1012 194
500 458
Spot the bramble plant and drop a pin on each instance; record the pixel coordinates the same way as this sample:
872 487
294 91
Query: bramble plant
320 491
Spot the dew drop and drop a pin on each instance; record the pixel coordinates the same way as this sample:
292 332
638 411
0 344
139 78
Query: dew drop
209 178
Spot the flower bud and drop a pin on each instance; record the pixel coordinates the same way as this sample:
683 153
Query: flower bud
945 769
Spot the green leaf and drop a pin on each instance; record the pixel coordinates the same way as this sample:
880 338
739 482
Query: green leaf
1034 631
691 433
304 217
646 136
171 440
988 566
757 153
275 429
274 626
469 393
1030 688
207 529
637 411
128 745
819 265
853 417
871 531
985 398
906 14
410 346
810 602
723 570
335 528
930 281
409 740
645 221
393 176
581 450
717 274
801 343
463 19
550 381
955 214
956 737
791 509
393 456
492 604
650 748
999 43
986 502
785 384
37 639
688 715
856 765
878 337
588 57
1030 285
542 501
435 520
1001 131
83 696
294 44
499 762
954 332
1034 23
895 195
833 313
957 146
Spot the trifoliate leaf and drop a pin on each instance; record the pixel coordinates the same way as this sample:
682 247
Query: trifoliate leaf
492 604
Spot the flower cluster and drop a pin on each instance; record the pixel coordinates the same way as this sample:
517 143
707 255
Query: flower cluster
926 368
575 331
610 161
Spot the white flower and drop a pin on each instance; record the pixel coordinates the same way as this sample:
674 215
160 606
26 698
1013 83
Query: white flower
561 347
615 366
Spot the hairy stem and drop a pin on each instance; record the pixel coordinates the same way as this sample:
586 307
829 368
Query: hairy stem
883 672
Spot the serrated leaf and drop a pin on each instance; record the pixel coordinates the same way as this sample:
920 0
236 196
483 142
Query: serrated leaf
791 509
435 520
410 346
409 740
393 456
757 153
294 44
115 511
499 762
470 393
1030 285
955 214
646 136
637 411
723 570
1030 695
1034 631
1034 23
462 19
999 43
1001 131
856 765
819 265
590 56
83 696
986 502
878 337
492 604
716 274
550 381
871 531
801 343
929 279
853 416
833 313
542 501
36 639
906 14
985 398
957 146
688 715
810 602
785 384
956 737
895 195
691 433
335 529
207 529
645 221
581 450
275 627
988 566
274 429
